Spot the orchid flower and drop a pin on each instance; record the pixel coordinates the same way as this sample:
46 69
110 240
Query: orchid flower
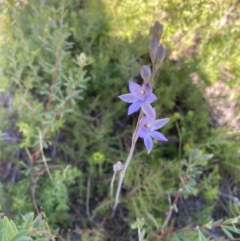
139 96
147 130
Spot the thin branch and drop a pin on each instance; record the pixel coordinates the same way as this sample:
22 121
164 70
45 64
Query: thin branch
36 181
169 212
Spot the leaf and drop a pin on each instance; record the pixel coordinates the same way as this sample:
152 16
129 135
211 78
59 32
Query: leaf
217 222
143 233
5 223
227 233
233 229
206 157
180 237
175 208
37 221
176 237
1 235
7 227
209 224
185 163
26 216
19 235
232 220
25 238
29 222
14 227
201 236
134 225
235 220
194 155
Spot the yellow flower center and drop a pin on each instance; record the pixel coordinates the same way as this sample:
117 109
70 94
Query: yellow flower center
147 125
142 92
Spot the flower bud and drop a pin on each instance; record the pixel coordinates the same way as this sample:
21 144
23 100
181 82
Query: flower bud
161 54
153 48
157 30
145 72
117 166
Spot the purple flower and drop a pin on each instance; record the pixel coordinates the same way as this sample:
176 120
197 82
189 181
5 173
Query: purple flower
147 130
140 96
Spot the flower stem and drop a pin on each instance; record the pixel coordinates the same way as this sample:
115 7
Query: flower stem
139 234
129 158
111 185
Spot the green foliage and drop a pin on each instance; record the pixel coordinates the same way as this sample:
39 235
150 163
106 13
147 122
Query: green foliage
138 224
30 229
51 194
63 117
55 193
42 63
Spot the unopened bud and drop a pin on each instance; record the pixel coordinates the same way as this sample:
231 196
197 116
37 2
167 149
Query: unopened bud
153 48
82 60
161 54
145 72
117 166
157 30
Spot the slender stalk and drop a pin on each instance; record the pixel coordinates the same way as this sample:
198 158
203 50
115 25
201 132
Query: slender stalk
88 197
43 156
169 213
139 234
111 185
129 158
122 175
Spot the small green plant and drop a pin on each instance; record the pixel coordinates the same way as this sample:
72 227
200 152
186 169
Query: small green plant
138 224
30 229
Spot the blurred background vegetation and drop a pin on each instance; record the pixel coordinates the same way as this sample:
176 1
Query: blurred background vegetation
63 127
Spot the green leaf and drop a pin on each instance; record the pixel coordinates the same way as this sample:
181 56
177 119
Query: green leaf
14 227
233 229
194 155
217 222
5 223
29 222
201 236
185 163
180 237
1 235
37 221
206 157
25 238
20 235
9 228
176 237
143 233
209 225
134 225
228 234
175 208
232 220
